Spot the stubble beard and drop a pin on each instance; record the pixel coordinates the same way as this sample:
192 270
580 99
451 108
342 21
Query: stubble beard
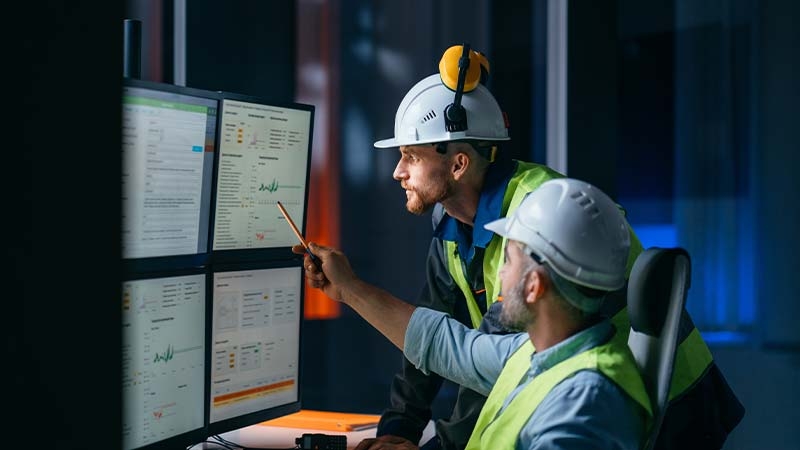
421 202
514 315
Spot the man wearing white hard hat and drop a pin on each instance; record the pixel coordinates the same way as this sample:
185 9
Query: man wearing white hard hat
561 383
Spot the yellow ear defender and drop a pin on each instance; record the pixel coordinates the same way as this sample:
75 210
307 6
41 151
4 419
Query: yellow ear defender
477 72
460 73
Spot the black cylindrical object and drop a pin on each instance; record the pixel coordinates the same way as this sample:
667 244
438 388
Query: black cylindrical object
132 54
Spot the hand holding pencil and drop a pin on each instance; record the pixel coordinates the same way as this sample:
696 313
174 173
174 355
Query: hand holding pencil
339 273
313 257
338 277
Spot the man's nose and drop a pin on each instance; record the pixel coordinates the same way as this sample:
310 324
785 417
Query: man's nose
399 173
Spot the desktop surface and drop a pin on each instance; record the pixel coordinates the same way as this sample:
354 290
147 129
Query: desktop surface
265 435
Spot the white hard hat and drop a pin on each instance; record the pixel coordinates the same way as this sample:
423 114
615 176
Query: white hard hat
420 118
576 229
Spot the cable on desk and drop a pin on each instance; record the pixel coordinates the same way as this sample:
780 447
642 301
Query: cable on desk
227 446
309 441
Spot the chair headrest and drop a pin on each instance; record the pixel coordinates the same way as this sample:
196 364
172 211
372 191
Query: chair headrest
650 288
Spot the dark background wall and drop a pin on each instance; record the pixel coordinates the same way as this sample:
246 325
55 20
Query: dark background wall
246 47
625 74
60 225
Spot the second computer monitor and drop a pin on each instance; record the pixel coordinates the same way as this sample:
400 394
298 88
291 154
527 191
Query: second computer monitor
264 158
164 376
255 345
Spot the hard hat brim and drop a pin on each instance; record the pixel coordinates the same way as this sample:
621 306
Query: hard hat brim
394 143
498 227
450 137
386 143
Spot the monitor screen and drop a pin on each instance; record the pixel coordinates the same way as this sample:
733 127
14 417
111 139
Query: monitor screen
264 158
164 360
255 345
169 138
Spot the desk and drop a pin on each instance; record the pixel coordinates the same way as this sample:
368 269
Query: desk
266 436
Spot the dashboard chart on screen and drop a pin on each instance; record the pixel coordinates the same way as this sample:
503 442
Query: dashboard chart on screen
255 345
164 357
264 155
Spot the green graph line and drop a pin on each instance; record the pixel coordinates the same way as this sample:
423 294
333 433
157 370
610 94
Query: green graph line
166 356
272 187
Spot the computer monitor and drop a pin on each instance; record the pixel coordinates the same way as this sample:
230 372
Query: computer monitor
169 137
256 313
164 384
264 158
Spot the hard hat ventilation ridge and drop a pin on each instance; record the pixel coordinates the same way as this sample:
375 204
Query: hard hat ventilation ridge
586 203
431 115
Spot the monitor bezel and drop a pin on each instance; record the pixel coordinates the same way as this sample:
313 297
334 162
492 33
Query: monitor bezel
280 253
195 435
253 418
166 262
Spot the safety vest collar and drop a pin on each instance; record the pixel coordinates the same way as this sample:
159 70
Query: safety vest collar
584 340
490 207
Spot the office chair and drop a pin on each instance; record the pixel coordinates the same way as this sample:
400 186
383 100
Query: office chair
657 289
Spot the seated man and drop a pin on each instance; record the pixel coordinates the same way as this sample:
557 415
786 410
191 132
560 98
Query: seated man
562 382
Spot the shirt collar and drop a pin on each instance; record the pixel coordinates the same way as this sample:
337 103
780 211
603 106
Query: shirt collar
490 205
589 338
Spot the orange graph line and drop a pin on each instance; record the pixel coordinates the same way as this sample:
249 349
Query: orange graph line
260 390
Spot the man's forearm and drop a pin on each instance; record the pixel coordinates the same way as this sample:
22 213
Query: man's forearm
387 313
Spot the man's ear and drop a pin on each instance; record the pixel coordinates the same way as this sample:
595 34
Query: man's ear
535 285
459 165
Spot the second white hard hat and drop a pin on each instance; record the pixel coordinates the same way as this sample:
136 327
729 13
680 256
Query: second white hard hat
576 229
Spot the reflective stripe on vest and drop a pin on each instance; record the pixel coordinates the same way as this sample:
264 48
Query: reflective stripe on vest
454 267
527 177
501 431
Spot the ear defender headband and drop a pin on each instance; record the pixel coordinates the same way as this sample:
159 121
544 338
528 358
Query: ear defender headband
461 70
455 116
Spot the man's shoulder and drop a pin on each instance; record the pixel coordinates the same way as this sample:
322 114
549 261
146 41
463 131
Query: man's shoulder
528 168
527 177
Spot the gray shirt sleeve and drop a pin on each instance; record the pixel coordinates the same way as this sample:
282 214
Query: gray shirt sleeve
434 342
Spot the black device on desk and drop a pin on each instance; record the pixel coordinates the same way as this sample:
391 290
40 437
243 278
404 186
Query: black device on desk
319 441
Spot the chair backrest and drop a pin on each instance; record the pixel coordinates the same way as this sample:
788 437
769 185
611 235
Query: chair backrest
657 288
